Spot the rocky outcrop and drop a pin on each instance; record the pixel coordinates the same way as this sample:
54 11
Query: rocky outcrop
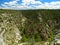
56 40
9 33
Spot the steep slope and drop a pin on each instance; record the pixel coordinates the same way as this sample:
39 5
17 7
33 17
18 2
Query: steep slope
18 26
9 32
41 24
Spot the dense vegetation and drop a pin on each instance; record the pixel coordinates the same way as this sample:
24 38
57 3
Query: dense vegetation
36 25
41 24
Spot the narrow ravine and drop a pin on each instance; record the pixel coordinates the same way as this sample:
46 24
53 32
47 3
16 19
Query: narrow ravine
29 27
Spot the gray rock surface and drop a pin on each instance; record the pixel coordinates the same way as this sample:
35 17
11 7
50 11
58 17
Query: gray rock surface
9 33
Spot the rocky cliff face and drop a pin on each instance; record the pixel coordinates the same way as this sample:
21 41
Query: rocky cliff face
9 33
